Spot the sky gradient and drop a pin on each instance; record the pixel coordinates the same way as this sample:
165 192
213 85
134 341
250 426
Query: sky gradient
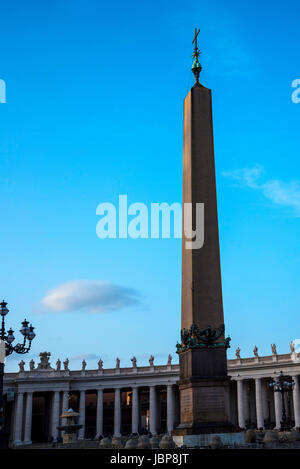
94 109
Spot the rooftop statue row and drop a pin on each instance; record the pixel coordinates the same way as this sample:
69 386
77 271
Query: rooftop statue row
45 365
255 350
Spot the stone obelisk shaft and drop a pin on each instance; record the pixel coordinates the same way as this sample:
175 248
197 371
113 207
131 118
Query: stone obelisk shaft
201 274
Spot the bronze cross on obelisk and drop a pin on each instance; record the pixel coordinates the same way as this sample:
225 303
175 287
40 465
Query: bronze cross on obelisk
196 68
195 38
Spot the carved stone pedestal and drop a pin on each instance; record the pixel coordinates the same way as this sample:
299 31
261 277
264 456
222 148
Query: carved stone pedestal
204 392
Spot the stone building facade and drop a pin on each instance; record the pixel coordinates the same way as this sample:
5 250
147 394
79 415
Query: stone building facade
127 400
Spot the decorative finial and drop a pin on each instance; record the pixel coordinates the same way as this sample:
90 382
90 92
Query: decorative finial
196 67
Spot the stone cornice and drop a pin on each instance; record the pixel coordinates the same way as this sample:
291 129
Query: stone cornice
159 375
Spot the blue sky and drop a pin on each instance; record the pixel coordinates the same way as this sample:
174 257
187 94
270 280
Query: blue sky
94 109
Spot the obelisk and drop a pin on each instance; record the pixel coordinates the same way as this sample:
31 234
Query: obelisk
204 384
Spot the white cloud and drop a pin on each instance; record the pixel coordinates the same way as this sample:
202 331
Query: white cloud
285 194
93 296
245 176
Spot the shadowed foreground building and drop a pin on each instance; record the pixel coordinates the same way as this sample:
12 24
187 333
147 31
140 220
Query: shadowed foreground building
124 400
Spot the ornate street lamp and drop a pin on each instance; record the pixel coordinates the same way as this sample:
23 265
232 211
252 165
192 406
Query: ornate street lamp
280 384
7 339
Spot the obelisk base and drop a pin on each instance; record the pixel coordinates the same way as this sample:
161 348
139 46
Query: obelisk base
204 393
204 413
204 406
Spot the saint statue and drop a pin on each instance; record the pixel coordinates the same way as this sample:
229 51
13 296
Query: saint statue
21 365
292 347
66 364
100 364
133 359
151 360
273 347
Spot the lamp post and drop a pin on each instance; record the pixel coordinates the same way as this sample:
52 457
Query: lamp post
280 384
6 339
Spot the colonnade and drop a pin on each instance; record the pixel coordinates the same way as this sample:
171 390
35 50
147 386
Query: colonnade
23 412
263 402
260 402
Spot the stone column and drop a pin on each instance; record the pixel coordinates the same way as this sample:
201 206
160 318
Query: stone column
135 410
81 432
28 419
296 401
19 419
65 406
259 404
99 417
247 399
170 408
241 403
264 385
153 410
55 414
278 409
158 410
65 401
177 405
117 414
